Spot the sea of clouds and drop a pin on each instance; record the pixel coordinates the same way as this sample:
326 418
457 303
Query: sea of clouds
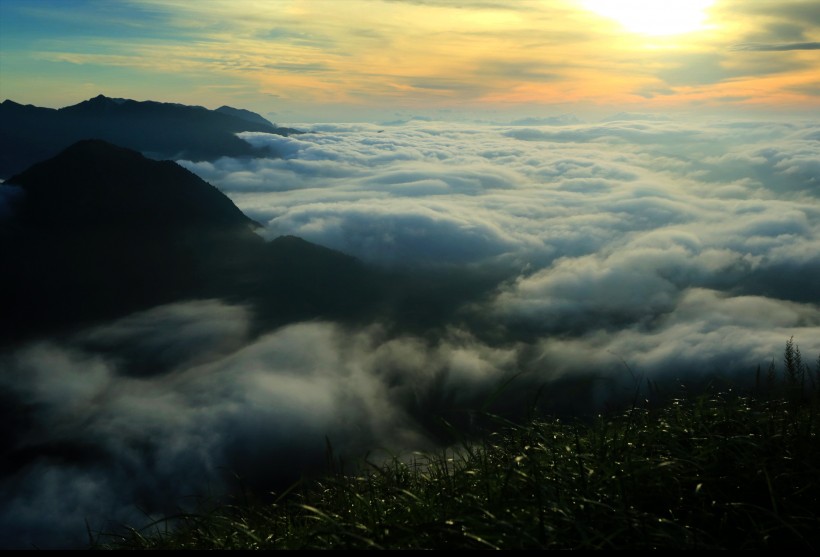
630 247
670 243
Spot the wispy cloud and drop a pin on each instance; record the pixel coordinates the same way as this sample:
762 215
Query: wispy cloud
762 47
374 54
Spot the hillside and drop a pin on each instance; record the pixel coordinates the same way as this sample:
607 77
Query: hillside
99 231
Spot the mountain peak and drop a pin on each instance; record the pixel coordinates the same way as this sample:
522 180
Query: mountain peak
100 102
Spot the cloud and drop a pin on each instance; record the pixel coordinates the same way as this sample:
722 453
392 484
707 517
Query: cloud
594 227
799 11
781 168
432 192
562 120
784 31
143 339
102 443
707 333
776 27
811 88
762 47
706 68
468 4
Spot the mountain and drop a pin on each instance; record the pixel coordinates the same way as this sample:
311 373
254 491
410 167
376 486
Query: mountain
29 134
93 184
99 231
244 114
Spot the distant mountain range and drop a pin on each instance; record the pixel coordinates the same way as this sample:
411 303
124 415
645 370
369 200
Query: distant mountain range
100 231
29 134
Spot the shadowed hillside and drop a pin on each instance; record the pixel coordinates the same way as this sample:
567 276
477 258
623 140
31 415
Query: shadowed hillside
99 231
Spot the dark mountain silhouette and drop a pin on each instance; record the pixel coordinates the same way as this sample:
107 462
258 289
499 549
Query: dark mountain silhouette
29 134
100 231
96 184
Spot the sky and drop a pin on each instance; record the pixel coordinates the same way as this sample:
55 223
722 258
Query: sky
641 187
368 60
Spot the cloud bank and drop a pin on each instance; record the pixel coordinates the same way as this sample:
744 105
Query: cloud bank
601 230
632 246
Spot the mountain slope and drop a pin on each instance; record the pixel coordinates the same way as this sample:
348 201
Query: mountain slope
100 231
93 184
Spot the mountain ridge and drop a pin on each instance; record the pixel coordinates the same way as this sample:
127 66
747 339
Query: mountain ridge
30 133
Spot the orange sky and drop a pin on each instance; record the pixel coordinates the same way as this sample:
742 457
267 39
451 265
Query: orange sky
359 59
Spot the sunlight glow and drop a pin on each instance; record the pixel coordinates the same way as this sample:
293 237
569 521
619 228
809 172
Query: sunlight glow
667 17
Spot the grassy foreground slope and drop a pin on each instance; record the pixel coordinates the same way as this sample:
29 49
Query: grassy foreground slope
720 470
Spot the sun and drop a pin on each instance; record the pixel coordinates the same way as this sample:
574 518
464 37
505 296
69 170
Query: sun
654 17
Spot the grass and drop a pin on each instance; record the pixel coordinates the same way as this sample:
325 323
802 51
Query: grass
719 470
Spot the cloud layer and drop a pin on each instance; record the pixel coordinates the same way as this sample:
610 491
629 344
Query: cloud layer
599 228
404 193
